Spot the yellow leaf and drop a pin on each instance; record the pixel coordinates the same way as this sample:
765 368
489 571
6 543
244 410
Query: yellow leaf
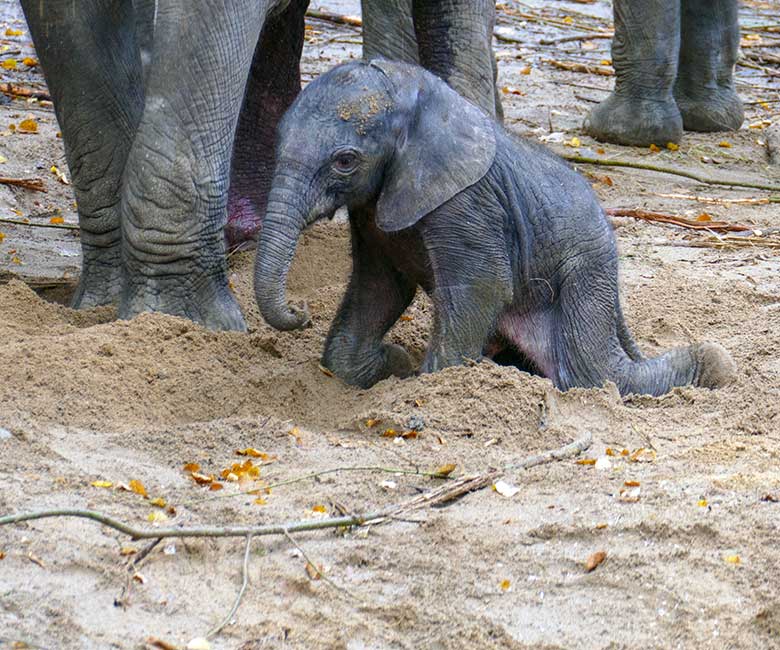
606 62
445 470
594 560
202 479
250 451
609 451
733 559
725 144
702 503
526 70
30 62
371 423
2 237
574 142
389 433
405 318
158 501
10 31
764 105
56 220
191 467
138 488
101 484
704 217
319 508
28 126
671 146
631 483
586 461
655 148
568 20
600 151
504 585
215 486
9 64
156 516
260 501
15 260
128 550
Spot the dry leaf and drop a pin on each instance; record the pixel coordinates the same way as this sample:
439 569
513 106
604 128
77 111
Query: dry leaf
158 501
630 495
671 146
600 151
371 423
30 62
702 503
128 550
704 217
643 455
56 220
594 560
389 433
574 142
259 501
655 148
159 643
504 585
314 573
405 318
215 486
586 461
631 483
725 144
138 488
2 555
10 31
505 489
191 467
202 479
250 451
9 64
325 371
36 560
772 498
101 484
156 517
28 126
601 526
2 237
320 509
445 470
568 20
733 559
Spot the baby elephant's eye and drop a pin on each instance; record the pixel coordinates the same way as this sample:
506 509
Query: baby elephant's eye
344 162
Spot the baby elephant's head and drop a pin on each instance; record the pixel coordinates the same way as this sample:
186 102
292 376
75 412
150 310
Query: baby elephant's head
382 133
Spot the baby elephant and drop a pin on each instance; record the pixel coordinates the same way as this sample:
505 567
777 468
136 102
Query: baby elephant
509 242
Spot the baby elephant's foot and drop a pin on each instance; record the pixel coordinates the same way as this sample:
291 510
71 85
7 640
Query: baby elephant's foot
627 120
367 368
714 366
716 110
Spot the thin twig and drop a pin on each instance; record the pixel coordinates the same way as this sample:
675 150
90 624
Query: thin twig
244 582
667 170
575 37
314 567
32 224
682 222
32 184
132 567
339 19
20 91
713 200
581 67
457 487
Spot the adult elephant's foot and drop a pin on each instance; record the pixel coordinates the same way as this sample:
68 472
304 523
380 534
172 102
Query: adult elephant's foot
100 282
207 301
623 119
714 366
719 109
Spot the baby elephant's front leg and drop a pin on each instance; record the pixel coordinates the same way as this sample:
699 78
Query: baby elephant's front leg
377 295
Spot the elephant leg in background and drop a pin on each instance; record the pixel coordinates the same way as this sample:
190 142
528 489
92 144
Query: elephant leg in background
455 40
645 51
709 43
388 30
274 82
376 297
144 30
92 66
175 187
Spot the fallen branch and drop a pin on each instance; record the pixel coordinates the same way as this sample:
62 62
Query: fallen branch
32 224
451 490
354 21
731 242
32 184
658 217
244 582
20 91
667 170
575 37
713 200
580 67
754 66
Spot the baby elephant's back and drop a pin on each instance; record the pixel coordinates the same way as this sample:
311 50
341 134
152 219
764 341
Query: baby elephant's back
558 218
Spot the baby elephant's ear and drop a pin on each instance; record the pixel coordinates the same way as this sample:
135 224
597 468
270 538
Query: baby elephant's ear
445 145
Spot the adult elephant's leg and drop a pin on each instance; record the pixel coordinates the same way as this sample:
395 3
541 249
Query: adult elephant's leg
91 62
455 40
274 82
388 30
375 298
641 110
709 44
175 192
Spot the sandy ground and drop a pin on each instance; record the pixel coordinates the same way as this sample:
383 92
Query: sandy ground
689 525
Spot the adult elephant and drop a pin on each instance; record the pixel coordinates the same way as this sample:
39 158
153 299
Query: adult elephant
674 63
148 94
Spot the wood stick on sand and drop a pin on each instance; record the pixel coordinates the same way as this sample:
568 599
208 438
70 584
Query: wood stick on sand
658 217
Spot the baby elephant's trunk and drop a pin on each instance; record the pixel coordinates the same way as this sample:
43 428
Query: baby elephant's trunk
283 223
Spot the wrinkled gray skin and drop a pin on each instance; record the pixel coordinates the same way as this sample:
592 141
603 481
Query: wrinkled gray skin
674 63
508 241
148 123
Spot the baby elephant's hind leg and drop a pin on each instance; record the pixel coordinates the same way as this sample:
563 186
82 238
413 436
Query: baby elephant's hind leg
588 350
